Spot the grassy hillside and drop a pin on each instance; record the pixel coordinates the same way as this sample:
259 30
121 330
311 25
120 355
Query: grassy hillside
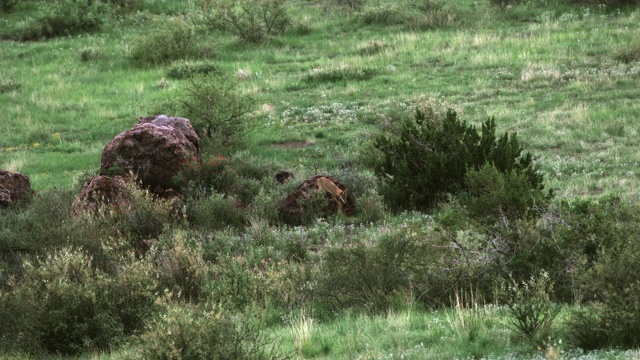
445 282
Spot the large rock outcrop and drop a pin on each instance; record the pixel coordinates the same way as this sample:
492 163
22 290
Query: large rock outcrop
14 188
153 152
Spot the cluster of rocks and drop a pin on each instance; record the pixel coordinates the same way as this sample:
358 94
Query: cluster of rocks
152 153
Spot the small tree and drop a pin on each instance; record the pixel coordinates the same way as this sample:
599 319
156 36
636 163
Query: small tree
215 107
429 157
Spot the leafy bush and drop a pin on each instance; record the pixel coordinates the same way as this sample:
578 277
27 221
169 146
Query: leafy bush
216 109
492 194
532 312
614 284
143 216
65 17
175 39
191 333
429 157
66 305
181 271
7 5
251 20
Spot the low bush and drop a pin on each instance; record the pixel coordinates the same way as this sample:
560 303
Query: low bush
531 309
429 156
173 40
191 333
66 305
65 17
613 283
181 272
216 108
251 20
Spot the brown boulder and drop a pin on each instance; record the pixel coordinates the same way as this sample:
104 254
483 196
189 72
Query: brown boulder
14 188
179 124
100 191
302 203
153 154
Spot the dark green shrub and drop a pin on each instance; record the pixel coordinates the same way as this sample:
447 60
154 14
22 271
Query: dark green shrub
216 108
429 157
215 212
173 40
65 17
66 305
251 20
7 5
614 282
492 194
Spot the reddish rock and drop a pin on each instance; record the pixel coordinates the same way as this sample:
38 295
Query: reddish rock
100 191
179 124
300 204
14 188
153 154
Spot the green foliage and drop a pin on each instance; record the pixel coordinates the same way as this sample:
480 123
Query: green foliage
65 17
144 215
429 14
216 108
492 194
251 20
181 272
503 4
349 5
170 41
7 5
185 70
531 309
429 157
629 52
66 305
191 333
342 73
614 284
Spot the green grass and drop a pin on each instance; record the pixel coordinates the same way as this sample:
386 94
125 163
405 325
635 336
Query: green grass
560 76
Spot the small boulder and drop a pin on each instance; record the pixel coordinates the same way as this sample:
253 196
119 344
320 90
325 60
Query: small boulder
301 203
284 176
97 192
14 188
151 152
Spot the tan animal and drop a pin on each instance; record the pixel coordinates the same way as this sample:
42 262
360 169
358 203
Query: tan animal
339 195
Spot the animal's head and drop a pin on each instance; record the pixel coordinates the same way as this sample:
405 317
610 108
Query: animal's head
343 196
